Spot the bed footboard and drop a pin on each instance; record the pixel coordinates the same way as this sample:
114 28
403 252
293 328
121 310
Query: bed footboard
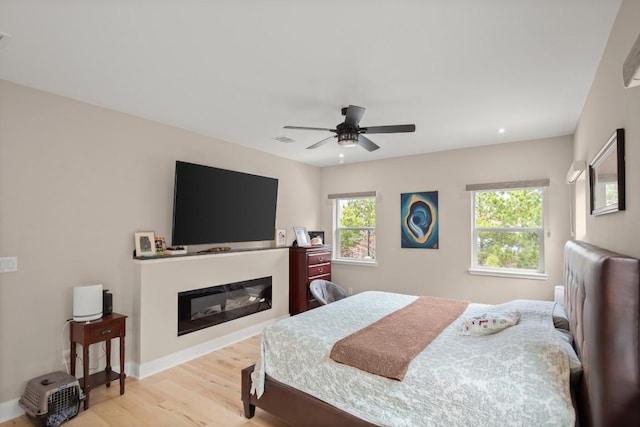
293 406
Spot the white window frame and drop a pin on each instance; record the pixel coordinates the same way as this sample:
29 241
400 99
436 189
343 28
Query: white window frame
337 198
539 273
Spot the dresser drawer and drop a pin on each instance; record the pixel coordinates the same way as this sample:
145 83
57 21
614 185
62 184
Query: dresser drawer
313 303
320 269
323 277
103 332
318 258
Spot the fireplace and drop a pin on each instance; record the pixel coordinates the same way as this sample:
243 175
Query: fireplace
202 308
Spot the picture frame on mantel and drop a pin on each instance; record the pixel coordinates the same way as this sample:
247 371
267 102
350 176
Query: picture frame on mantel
281 238
607 177
161 245
314 236
145 243
302 236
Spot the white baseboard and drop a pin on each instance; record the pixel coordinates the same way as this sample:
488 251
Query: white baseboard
144 370
10 408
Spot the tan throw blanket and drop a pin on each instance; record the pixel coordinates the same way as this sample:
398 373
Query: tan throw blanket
388 346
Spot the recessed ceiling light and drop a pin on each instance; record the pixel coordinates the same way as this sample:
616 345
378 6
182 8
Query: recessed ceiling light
341 155
502 130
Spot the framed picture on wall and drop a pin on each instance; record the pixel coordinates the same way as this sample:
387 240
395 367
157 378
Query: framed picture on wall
606 177
419 226
145 243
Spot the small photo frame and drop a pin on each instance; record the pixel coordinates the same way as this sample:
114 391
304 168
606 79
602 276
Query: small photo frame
302 236
314 235
161 245
145 243
281 238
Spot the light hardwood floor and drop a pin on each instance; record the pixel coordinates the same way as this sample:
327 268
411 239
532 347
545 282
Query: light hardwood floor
202 392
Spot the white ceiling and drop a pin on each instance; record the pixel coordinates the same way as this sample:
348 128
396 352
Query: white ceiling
240 70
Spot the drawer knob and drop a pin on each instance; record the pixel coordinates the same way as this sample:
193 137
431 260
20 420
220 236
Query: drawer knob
320 269
105 332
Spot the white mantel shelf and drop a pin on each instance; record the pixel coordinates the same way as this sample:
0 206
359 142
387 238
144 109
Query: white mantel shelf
157 281
198 255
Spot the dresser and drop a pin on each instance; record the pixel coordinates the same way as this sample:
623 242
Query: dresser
305 266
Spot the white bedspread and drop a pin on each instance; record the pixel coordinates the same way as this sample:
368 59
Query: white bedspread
517 377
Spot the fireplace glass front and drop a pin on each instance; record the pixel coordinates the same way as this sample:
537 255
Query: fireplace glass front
202 308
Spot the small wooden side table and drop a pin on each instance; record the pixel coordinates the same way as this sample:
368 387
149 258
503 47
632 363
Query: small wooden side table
107 328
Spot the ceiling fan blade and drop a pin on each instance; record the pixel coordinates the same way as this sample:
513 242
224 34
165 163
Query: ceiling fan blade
389 129
367 144
354 115
324 141
307 128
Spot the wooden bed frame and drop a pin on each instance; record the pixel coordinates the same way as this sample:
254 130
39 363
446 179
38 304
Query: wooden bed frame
602 300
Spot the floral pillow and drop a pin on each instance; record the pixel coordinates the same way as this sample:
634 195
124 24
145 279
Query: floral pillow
489 323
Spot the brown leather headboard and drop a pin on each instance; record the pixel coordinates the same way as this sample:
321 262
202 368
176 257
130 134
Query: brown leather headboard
602 299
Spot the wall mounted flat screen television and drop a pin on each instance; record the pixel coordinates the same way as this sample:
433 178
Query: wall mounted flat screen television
213 205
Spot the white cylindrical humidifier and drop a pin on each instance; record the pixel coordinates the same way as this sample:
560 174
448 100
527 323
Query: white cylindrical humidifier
87 302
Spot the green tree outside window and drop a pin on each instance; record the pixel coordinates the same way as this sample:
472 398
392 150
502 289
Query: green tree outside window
356 228
509 229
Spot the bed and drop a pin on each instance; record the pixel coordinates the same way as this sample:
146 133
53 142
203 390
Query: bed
602 306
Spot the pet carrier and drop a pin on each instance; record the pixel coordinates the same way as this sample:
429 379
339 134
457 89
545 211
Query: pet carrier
52 399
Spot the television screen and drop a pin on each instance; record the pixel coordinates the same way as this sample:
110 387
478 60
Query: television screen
214 205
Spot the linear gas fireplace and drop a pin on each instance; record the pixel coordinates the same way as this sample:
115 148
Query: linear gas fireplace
201 308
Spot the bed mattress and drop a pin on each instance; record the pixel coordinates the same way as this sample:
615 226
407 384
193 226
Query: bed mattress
516 377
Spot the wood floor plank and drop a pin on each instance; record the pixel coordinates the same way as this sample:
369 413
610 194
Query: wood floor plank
203 392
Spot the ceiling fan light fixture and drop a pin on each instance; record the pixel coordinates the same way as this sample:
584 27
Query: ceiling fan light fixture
348 139
350 134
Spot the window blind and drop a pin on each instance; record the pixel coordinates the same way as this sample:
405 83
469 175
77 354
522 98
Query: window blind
356 195
508 184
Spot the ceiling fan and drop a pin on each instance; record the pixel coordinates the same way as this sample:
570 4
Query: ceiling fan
350 134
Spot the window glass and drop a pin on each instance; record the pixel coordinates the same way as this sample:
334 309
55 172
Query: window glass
355 232
508 230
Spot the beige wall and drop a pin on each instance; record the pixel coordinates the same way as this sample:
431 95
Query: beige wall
76 182
443 272
610 106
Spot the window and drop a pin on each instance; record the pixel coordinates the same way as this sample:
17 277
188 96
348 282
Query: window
508 231
355 228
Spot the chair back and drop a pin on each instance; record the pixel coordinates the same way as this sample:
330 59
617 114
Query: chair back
326 292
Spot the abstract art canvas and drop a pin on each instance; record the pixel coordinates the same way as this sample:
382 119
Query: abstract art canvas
419 220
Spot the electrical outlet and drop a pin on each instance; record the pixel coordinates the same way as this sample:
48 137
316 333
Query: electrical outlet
8 264
350 291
